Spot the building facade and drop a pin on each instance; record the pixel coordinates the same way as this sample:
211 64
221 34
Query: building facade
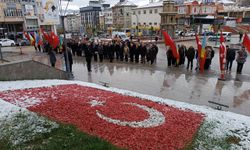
122 14
30 13
169 17
90 15
106 19
147 17
72 23
11 18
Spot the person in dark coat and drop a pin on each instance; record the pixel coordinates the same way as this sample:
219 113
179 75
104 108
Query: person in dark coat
143 53
182 54
230 57
117 50
100 51
132 51
190 54
88 55
121 54
241 59
111 52
52 57
170 57
156 49
137 52
70 58
95 51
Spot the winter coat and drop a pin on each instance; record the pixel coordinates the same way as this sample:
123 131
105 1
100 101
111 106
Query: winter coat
242 56
190 54
230 54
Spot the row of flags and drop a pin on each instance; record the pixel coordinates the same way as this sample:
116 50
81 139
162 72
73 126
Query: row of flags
37 38
202 51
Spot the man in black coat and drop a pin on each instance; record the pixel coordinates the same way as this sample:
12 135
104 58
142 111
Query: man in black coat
190 54
111 52
132 49
88 54
69 57
230 57
143 53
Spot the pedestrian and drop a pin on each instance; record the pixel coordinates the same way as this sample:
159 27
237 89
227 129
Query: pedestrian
52 57
117 50
241 36
137 52
230 57
126 52
88 55
143 53
70 58
94 49
241 59
132 51
209 57
111 52
121 54
190 54
156 50
181 51
100 52
170 57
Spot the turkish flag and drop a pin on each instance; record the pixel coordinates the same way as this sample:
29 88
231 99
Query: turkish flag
246 42
170 42
55 40
125 121
26 35
222 52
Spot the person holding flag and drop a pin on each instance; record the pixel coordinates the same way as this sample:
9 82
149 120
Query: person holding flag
222 57
242 54
170 42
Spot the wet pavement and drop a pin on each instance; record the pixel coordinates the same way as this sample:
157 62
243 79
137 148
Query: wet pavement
168 82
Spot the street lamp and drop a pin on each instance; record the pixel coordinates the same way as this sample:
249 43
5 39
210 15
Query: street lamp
64 36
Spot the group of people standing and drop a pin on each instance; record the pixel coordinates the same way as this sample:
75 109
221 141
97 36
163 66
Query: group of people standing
191 54
123 51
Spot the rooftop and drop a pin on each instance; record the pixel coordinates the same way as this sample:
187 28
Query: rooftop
125 3
154 4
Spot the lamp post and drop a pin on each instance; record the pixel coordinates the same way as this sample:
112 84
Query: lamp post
137 20
70 76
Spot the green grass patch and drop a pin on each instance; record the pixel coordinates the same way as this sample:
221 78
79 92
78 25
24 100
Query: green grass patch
204 139
60 137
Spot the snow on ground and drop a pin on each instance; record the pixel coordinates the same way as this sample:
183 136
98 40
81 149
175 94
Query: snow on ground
19 125
227 123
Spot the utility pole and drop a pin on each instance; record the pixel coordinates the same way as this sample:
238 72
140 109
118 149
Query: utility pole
70 76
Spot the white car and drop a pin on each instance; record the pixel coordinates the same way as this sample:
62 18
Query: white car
6 42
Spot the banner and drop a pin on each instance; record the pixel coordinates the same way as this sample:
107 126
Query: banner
51 11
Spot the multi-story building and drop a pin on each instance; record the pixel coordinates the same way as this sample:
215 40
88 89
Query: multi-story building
72 23
11 18
147 17
30 13
48 14
106 19
122 14
90 15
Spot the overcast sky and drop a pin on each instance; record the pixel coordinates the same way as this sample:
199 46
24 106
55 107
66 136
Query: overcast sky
76 4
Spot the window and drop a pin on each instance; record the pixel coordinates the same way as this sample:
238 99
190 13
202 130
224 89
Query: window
145 12
133 23
155 23
150 11
156 11
134 13
139 12
150 23
144 23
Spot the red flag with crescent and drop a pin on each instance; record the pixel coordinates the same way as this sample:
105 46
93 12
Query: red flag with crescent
170 42
222 52
125 121
246 42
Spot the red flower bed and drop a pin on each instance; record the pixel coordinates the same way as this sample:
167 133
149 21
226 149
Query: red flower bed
86 108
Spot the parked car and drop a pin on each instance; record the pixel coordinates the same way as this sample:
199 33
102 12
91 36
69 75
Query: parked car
24 42
190 33
226 35
7 42
122 35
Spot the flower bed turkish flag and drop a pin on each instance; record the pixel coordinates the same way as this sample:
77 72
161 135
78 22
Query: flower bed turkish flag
125 121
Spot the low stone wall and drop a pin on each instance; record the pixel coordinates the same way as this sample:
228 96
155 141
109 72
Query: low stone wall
29 70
